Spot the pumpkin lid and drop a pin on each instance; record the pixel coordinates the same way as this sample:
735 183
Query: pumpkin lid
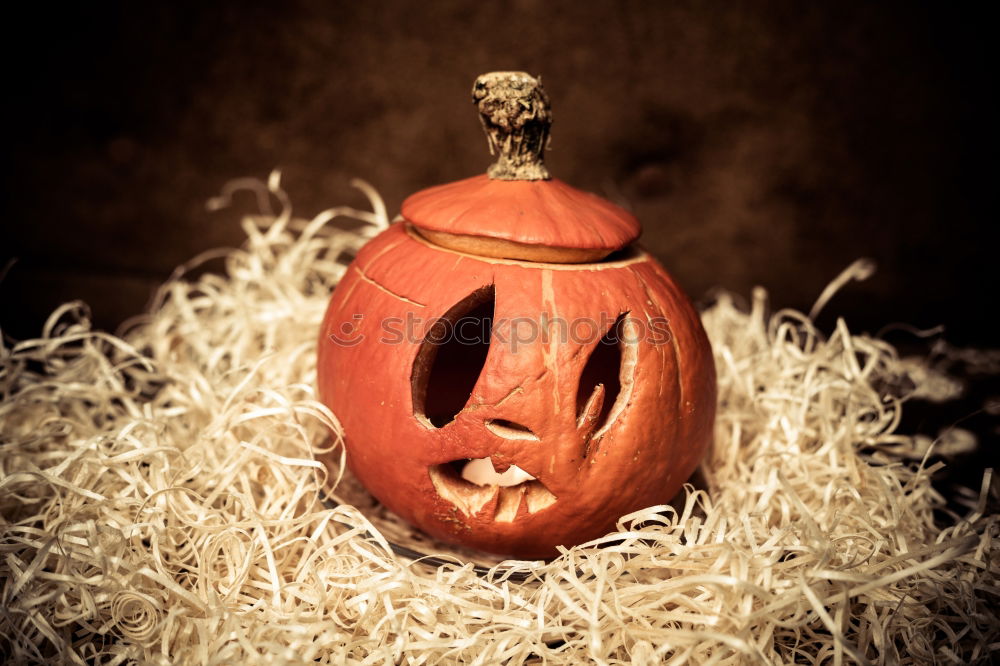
516 210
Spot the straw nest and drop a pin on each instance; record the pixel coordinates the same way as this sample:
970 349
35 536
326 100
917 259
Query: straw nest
161 502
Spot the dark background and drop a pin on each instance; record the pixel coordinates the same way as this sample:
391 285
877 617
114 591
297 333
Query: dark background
759 142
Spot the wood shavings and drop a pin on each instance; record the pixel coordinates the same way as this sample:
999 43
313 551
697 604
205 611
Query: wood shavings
160 502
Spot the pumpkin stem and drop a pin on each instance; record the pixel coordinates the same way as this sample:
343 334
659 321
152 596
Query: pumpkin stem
516 117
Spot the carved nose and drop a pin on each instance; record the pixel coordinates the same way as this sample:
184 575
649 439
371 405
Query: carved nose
510 430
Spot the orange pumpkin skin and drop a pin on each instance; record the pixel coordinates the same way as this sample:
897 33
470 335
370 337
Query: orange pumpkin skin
658 428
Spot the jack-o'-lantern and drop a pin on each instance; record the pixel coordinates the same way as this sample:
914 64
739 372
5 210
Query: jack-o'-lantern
511 374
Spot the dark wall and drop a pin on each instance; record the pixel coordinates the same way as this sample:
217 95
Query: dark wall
759 142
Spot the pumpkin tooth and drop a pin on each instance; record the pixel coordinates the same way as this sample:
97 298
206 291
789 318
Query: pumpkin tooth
479 471
590 411
509 503
626 378
467 497
514 476
538 497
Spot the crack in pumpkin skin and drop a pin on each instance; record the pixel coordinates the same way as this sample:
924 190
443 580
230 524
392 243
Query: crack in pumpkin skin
344 295
383 288
473 406
550 352
656 304
378 255
678 371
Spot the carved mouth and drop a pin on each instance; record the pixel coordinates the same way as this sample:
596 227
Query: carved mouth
474 485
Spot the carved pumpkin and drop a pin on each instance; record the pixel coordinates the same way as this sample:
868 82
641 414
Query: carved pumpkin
515 405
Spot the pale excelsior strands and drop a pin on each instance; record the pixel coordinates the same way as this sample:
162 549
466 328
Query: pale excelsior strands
161 502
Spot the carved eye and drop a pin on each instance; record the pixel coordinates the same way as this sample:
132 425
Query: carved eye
451 358
606 380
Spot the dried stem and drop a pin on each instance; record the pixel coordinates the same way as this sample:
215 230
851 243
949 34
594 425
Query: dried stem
516 117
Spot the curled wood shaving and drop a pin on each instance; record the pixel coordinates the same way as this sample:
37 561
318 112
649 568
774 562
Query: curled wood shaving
161 502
